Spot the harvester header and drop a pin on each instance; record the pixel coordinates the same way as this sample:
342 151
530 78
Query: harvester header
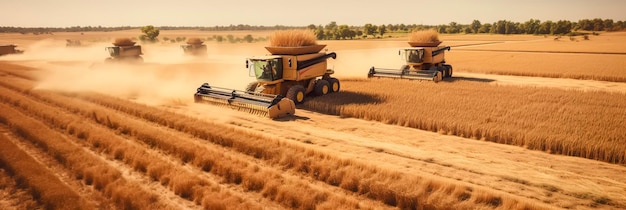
272 106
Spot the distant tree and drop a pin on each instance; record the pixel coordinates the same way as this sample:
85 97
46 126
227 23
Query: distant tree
382 29
608 24
330 26
369 29
219 38
230 38
531 26
545 27
485 28
453 28
467 30
150 33
319 33
343 31
598 24
248 38
402 27
311 27
359 33
475 26
562 27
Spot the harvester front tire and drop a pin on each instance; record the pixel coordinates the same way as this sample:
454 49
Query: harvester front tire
449 68
437 77
296 94
321 87
334 85
251 87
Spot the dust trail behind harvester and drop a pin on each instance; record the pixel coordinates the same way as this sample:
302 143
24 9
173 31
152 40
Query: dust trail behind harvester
167 77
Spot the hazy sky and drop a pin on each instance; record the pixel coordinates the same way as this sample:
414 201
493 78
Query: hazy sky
65 13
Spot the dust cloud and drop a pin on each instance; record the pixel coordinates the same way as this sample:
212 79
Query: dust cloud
166 77
356 63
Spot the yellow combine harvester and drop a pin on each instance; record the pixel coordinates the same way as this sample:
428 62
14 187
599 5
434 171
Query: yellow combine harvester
124 50
293 72
424 61
194 47
9 49
283 79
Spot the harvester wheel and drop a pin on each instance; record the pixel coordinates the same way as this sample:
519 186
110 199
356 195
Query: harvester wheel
252 86
296 94
321 87
449 67
437 77
334 85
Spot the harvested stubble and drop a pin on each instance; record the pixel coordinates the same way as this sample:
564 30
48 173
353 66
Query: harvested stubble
16 196
388 187
392 188
293 38
424 36
105 141
230 167
574 123
46 187
79 161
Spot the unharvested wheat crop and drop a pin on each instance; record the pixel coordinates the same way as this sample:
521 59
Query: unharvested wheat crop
583 124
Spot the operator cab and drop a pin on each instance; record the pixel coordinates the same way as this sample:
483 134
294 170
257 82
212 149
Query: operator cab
412 55
113 51
266 68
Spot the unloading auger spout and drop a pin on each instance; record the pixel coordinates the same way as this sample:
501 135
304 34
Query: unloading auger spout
273 106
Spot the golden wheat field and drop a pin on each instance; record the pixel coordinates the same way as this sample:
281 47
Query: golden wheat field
78 134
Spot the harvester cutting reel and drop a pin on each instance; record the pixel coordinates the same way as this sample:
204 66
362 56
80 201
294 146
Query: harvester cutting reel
272 106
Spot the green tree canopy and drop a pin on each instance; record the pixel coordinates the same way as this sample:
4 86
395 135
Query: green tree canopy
150 33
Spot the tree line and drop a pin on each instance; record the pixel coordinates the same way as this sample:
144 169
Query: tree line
335 31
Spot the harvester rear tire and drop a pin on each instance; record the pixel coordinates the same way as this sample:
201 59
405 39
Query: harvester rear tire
321 87
296 94
251 87
334 85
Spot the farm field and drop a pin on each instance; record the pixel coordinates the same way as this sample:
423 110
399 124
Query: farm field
131 136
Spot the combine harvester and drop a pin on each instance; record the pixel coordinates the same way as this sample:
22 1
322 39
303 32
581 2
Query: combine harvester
283 79
124 51
194 47
9 49
425 60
